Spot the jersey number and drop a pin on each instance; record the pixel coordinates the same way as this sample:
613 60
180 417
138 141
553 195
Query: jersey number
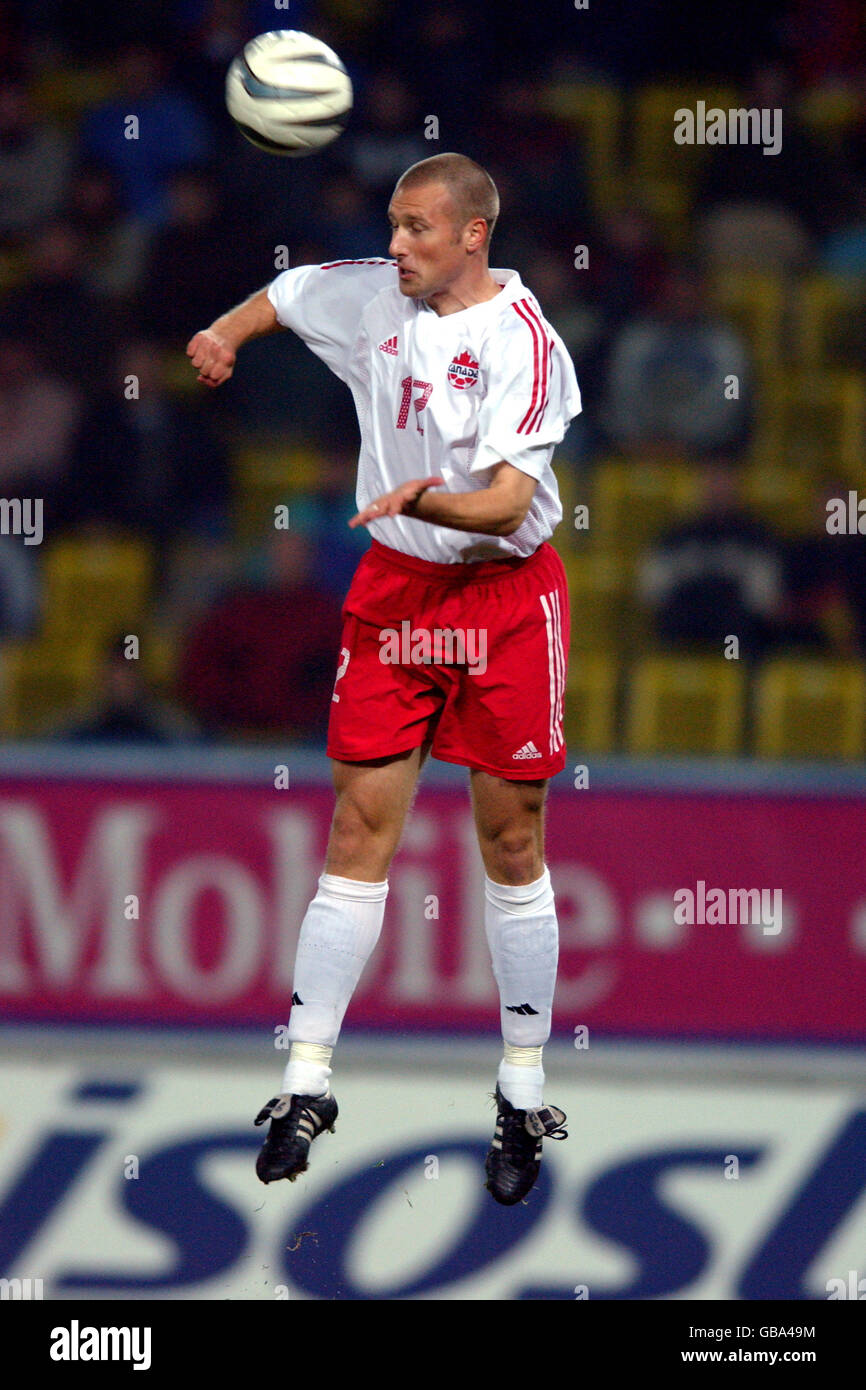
408 384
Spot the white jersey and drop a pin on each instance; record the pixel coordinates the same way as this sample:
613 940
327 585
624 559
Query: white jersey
448 396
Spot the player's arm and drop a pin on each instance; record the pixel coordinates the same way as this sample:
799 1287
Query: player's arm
496 510
214 350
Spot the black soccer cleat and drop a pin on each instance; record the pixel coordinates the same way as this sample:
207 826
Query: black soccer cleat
514 1160
295 1123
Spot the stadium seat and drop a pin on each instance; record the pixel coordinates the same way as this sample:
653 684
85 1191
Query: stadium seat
810 709
831 112
755 305
42 685
685 705
656 155
590 703
598 587
784 499
595 110
572 491
633 502
95 588
64 94
268 474
828 313
815 420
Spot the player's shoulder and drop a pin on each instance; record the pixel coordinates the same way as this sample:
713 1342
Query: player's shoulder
370 268
518 322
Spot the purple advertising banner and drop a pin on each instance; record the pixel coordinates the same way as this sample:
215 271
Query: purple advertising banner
682 913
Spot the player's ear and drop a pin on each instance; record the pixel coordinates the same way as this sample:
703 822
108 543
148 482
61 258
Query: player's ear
477 234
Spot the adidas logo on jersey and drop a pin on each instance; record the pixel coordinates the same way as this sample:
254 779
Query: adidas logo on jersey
528 750
389 346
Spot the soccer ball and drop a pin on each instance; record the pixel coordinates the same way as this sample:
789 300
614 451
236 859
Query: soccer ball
288 92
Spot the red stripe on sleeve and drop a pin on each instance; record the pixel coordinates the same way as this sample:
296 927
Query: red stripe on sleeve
520 308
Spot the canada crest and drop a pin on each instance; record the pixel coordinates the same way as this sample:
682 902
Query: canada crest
463 371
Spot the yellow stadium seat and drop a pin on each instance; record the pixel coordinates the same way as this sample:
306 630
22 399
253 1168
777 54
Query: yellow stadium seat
685 705
830 112
784 499
810 709
96 588
599 587
827 311
755 305
42 686
572 492
595 111
64 94
656 154
668 201
815 420
634 502
590 703
269 474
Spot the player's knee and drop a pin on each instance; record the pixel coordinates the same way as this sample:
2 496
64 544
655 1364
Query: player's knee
357 823
513 856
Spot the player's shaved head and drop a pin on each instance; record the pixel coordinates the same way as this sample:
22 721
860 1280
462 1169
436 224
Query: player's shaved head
472 190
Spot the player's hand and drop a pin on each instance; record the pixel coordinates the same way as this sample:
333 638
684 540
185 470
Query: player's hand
213 356
401 500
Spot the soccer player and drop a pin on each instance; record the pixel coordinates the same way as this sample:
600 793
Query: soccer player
456 622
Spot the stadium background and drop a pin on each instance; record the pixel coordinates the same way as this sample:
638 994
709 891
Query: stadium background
154 865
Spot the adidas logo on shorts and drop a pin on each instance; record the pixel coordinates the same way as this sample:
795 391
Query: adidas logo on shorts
528 750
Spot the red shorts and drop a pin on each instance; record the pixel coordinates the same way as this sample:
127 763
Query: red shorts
471 656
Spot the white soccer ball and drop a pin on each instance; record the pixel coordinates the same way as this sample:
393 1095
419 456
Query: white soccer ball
288 92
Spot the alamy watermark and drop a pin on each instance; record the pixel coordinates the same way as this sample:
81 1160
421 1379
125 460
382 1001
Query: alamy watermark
736 907
22 516
739 126
444 646
846 516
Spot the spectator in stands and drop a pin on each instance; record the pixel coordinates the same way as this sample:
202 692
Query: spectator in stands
169 132
323 516
264 658
627 267
197 261
546 160
820 607
34 164
801 180
19 588
386 137
347 221
678 380
717 576
55 305
144 460
125 710
113 243
39 416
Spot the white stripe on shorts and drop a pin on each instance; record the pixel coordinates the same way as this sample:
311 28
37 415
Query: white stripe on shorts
550 604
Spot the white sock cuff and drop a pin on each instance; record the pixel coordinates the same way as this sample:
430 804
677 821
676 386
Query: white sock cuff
317 1053
520 899
353 888
522 1056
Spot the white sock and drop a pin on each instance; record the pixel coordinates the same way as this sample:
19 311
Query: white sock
521 1077
307 1072
338 935
523 936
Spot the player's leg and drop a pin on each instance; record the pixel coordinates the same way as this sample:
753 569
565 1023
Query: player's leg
338 934
344 920
520 922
